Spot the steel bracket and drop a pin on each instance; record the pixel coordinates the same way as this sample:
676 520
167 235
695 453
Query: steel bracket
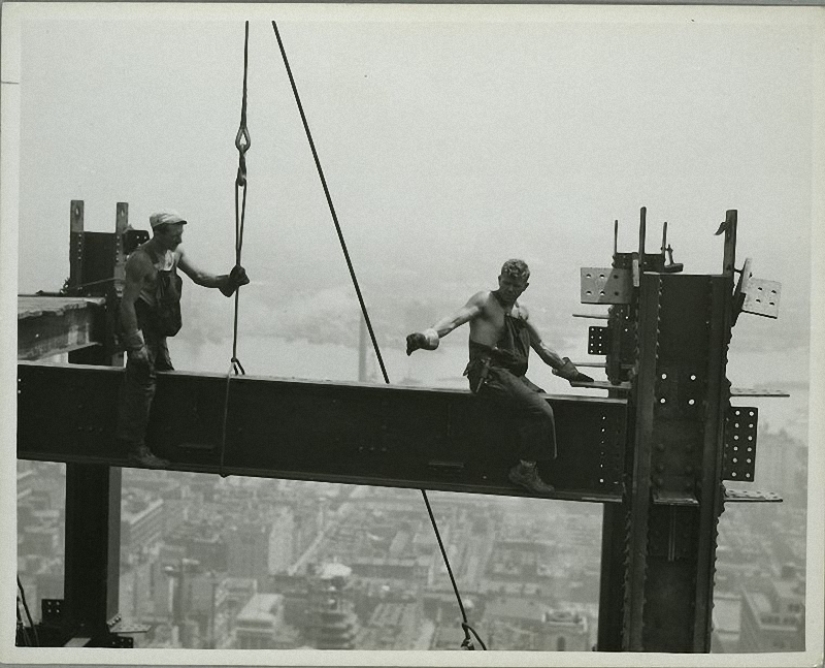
739 457
762 297
751 496
606 285
598 340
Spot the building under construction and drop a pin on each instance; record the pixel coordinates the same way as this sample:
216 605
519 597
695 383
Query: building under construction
655 444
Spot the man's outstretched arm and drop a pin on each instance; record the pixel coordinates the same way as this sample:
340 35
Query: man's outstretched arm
562 366
428 339
227 283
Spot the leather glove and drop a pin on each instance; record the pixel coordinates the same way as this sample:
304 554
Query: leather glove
237 277
428 340
570 373
139 355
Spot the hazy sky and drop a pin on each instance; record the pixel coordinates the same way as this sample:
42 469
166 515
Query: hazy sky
450 141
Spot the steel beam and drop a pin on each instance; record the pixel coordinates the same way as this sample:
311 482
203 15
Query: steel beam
338 432
51 325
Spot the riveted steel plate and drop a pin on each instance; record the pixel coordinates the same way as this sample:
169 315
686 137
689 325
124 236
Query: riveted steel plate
739 460
51 609
598 340
762 297
680 391
605 285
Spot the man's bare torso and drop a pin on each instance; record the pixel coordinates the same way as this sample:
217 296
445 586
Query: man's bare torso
488 326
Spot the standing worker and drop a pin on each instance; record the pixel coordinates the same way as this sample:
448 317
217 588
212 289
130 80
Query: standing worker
150 312
501 335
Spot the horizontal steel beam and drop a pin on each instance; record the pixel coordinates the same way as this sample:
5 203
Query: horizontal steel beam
49 325
338 432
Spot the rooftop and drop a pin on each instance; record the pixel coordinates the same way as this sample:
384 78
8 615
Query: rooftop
260 608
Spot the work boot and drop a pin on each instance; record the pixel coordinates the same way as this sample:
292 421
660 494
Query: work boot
528 477
142 455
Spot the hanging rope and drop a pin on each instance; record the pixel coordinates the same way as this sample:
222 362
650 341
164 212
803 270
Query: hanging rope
28 613
242 143
468 642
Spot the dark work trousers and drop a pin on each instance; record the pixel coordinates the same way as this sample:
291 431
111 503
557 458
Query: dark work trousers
519 398
140 380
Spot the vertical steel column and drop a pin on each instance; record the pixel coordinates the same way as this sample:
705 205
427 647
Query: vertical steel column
667 524
711 492
121 225
92 524
75 242
611 584
639 495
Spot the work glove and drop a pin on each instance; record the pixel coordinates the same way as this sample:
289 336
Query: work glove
138 355
570 373
237 277
428 340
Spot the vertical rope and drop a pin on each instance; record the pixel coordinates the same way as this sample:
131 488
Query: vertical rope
242 144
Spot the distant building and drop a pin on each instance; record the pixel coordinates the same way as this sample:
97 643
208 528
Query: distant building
141 524
282 541
773 620
527 624
199 541
260 625
331 622
25 484
564 631
401 568
727 621
248 552
393 625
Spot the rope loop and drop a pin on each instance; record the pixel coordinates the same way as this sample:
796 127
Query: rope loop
242 140
237 367
467 643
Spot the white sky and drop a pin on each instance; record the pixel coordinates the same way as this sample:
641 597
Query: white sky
450 141
451 138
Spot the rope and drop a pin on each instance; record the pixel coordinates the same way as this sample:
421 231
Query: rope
28 614
331 207
242 144
467 643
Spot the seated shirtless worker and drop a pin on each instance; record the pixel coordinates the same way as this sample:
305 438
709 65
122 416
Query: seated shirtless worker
501 335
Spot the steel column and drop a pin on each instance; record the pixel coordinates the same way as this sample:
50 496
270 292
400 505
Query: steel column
92 526
640 493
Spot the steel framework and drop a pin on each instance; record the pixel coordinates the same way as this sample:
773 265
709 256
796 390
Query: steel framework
655 452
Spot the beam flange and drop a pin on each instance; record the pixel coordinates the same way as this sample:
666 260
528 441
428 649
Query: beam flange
338 432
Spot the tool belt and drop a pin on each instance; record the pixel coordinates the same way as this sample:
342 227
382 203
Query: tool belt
478 368
477 371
